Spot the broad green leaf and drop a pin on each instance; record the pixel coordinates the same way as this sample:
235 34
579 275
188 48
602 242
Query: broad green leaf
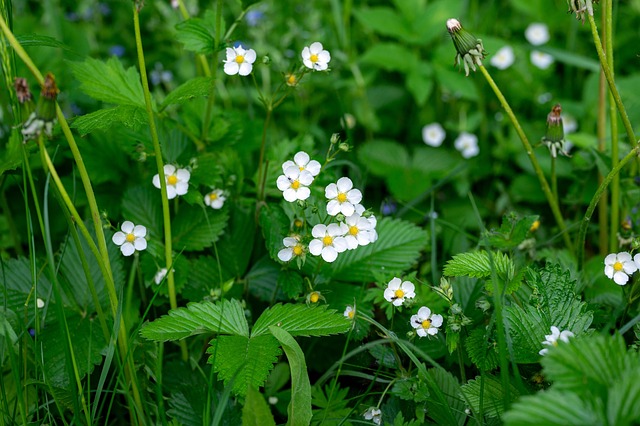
141 205
420 82
40 40
203 278
291 283
11 156
450 388
379 54
208 170
383 20
492 395
275 227
237 240
183 407
455 82
131 116
301 320
109 81
481 350
383 157
196 87
246 362
196 228
262 280
256 412
8 336
512 232
552 408
197 34
477 264
17 286
527 330
225 317
299 409
623 406
427 23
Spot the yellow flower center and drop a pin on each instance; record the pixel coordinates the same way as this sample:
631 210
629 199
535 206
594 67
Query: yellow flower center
297 223
617 266
130 238
399 293
295 184
239 59
314 58
426 324
342 197
172 180
353 230
351 314
213 196
291 80
534 226
297 250
327 241
315 296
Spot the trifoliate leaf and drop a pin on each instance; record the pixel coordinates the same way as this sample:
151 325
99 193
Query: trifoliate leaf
553 408
410 389
490 393
130 116
196 87
301 320
225 317
196 228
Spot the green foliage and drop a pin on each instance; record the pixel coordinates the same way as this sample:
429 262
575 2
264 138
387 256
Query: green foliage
488 392
449 386
196 87
198 35
196 228
332 405
256 412
131 116
481 350
301 320
511 233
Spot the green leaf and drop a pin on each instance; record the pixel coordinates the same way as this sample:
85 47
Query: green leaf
301 320
481 350
141 205
456 83
196 228
197 34
109 81
450 388
420 83
384 157
477 264
512 232
225 317
552 408
571 58
131 116
379 54
262 280
40 40
11 156
332 403
623 406
196 87
291 283
383 20
492 395
256 412
275 226
18 283
245 361
299 409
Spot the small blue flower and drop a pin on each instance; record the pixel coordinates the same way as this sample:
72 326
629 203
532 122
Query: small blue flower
117 51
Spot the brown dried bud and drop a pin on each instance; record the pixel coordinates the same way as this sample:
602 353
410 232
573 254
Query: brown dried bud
22 90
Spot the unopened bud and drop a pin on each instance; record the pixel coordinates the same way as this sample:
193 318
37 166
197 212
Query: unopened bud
42 119
469 49
554 137
344 147
335 138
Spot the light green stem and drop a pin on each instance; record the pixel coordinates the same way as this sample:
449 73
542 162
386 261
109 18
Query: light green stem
532 157
212 94
554 179
603 208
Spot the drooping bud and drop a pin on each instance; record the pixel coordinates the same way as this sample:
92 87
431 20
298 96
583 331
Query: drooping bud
43 118
469 49
554 137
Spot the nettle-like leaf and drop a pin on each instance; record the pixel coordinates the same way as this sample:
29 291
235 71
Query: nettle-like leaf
196 87
226 317
275 227
141 205
301 320
196 228
131 116
553 408
490 392
477 264
197 34
448 384
481 351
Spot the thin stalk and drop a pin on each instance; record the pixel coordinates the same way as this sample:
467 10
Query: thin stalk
262 179
212 94
603 208
166 214
532 157
554 179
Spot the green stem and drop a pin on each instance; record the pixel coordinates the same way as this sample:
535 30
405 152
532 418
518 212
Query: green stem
166 214
262 179
212 94
554 179
532 157
603 208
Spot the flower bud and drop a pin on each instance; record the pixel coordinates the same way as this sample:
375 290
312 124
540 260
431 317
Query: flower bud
456 309
24 96
470 51
554 137
42 119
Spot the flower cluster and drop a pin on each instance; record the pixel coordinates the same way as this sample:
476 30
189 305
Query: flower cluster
553 338
424 321
374 414
538 34
466 143
619 266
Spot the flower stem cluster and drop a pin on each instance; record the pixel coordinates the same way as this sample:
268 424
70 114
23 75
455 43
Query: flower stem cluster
470 51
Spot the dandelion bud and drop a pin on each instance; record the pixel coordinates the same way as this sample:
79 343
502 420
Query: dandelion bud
22 90
41 120
554 137
579 7
470 51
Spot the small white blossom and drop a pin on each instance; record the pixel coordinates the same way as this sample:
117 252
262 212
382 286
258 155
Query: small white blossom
397 291
433 134
315 57
215 199
292 247
294 184
374 414
273 400
303 162
569 124
342 198
177 180
425 323
159 276
503 58
552 339
328 241
541 60
39 303
636 260
349 312
537 34
619 266
467 144
358 231
239 61
131 238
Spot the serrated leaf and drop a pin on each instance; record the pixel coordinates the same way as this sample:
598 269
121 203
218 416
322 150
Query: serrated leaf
225 317
299 409
256 412
141 205
196 87
196 228
477 264
17 286
291 283
448 385
623 406
197 34
11 156
245 361
552 408
262 280
491 394
481 350
301 320
183 409
275 227
130 116
109 81
512 232
237 241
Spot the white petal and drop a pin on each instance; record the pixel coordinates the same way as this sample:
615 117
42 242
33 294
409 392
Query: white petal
347 208
315 247
303 193
306 54
344 184
119 238
608 271
169 169
620 278
245 69
610 259
354 196
398 301
313 167
421 332
340 244
283 183
331 191
183 175
436 320
319 231
231 54
127 226
394 284
289 241
408 287
140 244
290 195
636 260
156 181
424 313
329 254
629 267
171 192
316 47
352 242
250 56
306 178
285 254
140 231
287 164
389 294
432 331
334 229
231 68
333 207
301 158
127 249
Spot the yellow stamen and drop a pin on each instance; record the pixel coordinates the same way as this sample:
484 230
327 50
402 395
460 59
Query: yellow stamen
314 297
291 80
426 324
327 241
353 230
314 58
618 266
213 196
297 250
342 197
172 180
298 223
295 184
351 314
534 226
399 293
239 59
130 238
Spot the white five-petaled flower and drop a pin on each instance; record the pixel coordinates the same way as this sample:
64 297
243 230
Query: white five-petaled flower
467 144
397 291
303 162
426 323
342 198
292 247
433 134
503 58
358 231
619 266
541 60
349 312
315 57
131 238
537 34
374 414
294 183
239 61
177 180
552 339
328 241
215 199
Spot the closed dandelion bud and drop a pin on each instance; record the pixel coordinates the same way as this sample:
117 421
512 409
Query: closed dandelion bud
469 49
554 137
42 119
24 96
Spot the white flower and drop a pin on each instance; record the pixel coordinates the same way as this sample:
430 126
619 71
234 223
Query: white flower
503 58
467 144
619 266
552 339
239 61
328 241
39 303
342 198
569 124
541 60
294 183
159 276
433 134
358 231
636 260
425 323
131 238
397 291
537 34
303 162
315 57
374 414
292 247
215 199
349 312
177 180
